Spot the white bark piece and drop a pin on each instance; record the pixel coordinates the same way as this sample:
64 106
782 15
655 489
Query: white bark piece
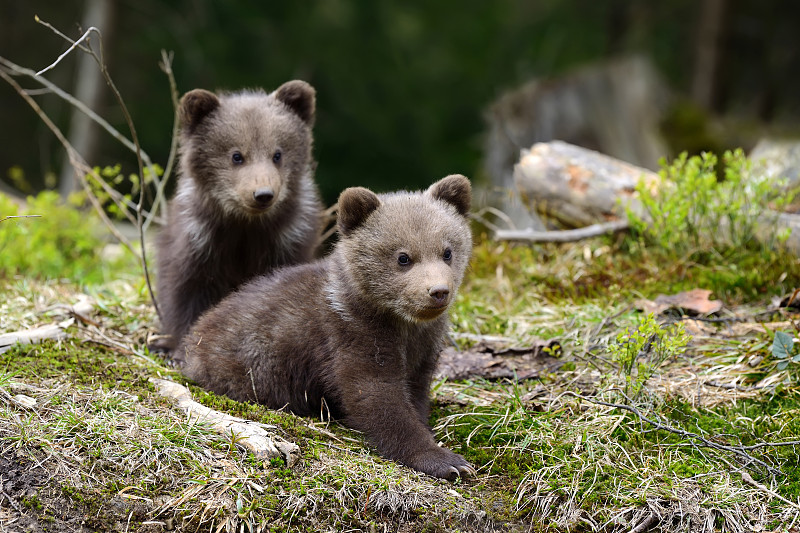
31 336
252 436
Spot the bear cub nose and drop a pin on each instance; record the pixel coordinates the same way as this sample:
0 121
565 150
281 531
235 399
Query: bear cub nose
263 197
439 294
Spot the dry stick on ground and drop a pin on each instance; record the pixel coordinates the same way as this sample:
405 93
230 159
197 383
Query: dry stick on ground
739 451
99 59
646 524
763 488
569 235
31 336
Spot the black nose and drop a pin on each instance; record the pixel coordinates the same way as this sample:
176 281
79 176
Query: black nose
439 294
263 197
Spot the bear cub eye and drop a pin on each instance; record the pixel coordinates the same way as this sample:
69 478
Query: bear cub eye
447 255
277 157
403 260
237 158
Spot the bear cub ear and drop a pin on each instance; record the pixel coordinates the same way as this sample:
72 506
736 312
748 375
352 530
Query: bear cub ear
300 97
195 106
455 190
355 205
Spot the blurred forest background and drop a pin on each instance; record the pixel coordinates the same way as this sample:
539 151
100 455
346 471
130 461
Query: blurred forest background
403 87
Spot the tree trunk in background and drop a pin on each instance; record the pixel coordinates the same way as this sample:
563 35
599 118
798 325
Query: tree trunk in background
89 85
707 56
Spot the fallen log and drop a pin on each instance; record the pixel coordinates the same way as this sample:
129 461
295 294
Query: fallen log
584 189
578 187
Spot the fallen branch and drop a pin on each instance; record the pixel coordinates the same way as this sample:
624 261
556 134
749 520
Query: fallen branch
255 438
646 524
763 488
569 235
738 451
31 336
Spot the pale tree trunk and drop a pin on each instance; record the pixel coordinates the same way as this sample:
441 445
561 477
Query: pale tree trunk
709 32
89 86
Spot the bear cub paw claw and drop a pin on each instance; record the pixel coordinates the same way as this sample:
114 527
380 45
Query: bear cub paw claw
443 463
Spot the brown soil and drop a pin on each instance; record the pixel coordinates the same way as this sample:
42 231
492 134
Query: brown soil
31 502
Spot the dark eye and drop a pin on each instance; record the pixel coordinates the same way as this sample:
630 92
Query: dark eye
447 255
237 158
277 157
403 260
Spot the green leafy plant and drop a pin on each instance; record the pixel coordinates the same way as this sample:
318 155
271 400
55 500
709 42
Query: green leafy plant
116 180
63 241
639 352
693 212
783 349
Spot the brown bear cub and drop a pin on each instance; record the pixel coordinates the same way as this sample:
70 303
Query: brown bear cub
245 203
357 334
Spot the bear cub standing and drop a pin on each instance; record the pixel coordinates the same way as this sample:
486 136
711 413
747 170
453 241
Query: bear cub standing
357 334
246 201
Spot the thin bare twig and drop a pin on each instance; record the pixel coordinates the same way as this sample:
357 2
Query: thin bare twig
763 488
11 501
19 216
15 69
99 59
77 162
75 44
478 215
739 451
569 235
166 66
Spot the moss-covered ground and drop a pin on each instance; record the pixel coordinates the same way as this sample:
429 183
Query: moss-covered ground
703 440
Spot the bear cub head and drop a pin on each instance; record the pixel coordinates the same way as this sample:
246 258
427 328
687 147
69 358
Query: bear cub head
406 253
248 151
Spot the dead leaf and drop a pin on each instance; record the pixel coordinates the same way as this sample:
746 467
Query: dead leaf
693 302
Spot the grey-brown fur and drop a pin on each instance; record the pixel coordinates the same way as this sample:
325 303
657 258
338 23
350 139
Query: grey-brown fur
237 216
357 329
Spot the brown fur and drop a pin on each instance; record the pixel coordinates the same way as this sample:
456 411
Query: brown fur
357 334
237 216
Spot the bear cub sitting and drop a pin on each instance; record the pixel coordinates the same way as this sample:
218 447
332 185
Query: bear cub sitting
245 202
358 333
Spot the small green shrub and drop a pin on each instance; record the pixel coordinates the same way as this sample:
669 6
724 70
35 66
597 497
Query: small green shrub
641 351
63 241
128 186
695 214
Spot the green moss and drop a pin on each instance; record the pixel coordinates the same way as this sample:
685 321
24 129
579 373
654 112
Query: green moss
77 362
